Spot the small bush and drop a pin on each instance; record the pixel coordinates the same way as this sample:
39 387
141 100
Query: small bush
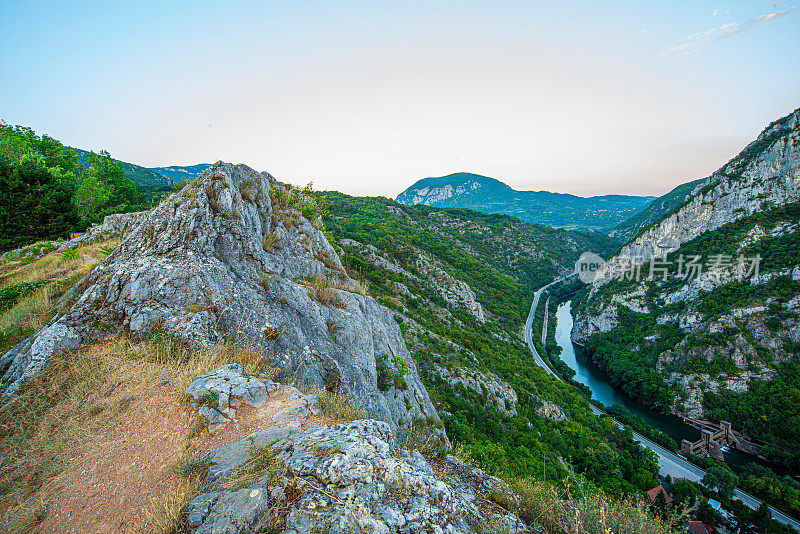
166 514
425 436
10 294
333 325
269 242
69 255
249 189
192 466
327 297
279 197
578 510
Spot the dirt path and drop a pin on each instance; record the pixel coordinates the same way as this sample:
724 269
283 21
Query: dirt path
115 474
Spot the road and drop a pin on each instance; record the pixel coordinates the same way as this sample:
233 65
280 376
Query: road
544 325
668 463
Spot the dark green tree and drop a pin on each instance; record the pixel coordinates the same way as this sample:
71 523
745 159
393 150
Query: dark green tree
36 202
721 478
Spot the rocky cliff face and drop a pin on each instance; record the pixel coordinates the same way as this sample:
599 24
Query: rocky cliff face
231 258
454 291
766 173
721 335
497 392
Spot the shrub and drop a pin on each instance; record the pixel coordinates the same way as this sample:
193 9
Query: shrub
425 436
327 296
192 466
69 255
270 241
584 512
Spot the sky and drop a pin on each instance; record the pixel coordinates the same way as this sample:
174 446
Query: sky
368 97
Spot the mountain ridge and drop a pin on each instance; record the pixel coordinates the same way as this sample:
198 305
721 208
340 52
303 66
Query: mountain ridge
490 195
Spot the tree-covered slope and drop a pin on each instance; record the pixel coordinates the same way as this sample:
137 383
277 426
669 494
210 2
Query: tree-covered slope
147 179
488 195
460 284
48 191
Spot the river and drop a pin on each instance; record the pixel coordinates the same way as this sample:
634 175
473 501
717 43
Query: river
586 372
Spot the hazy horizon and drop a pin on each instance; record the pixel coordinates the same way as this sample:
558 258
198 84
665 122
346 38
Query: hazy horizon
568 97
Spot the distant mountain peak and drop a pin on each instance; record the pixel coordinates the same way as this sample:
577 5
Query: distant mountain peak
489 195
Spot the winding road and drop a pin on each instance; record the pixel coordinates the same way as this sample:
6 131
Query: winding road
668 463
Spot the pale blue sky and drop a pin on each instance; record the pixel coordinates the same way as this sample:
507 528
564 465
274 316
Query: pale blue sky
367 97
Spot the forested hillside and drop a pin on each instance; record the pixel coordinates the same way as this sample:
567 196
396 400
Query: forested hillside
459 283
488 195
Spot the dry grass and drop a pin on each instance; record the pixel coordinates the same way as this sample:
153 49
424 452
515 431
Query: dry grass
327 297
338 406
576 510
323 282
58 274
41 429
262 463
270 241
425 436
162 349
323 288
38 430
166 514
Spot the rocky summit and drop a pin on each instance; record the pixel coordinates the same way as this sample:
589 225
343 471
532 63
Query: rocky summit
232 258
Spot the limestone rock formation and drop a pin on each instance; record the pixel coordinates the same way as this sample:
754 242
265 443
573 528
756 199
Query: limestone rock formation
345 478
219 393
454 291
114 225
231 258
499 394
750 336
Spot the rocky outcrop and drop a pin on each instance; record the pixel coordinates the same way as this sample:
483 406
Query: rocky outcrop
696 385
115 225
231 258
219 393
756 332
454 291
548 410
345 478
499 395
